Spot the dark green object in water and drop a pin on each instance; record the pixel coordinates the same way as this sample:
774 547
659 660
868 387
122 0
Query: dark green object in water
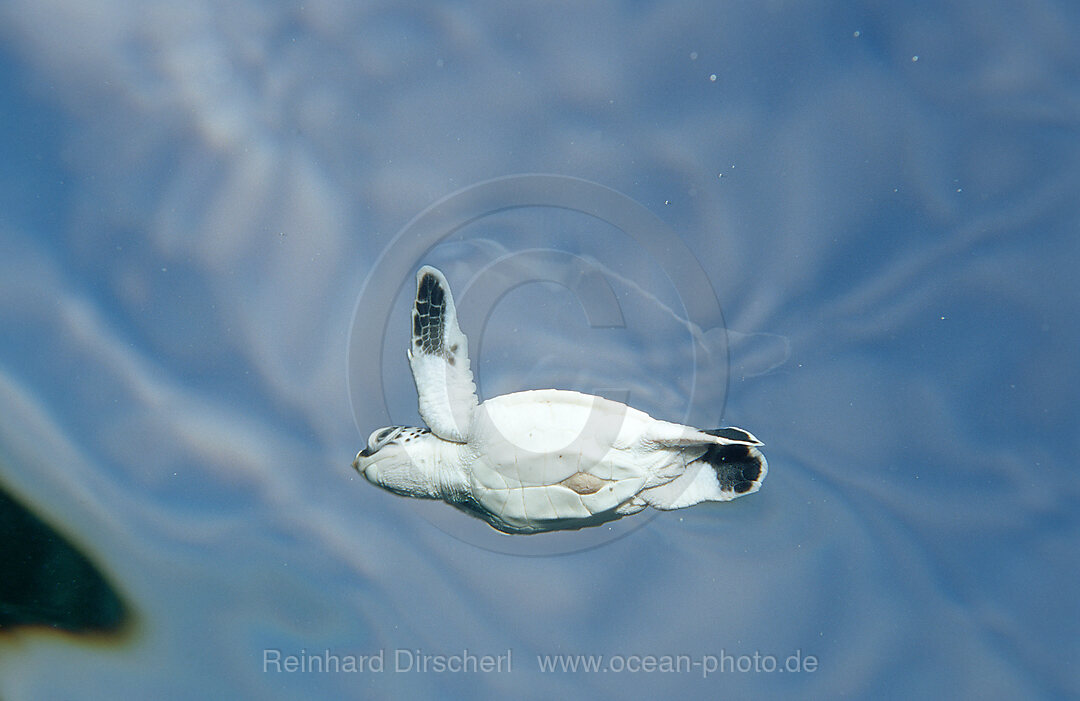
46 582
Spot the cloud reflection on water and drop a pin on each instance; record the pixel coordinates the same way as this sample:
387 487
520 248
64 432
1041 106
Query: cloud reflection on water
894 250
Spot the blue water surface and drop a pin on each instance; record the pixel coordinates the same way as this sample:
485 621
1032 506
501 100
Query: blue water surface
196 203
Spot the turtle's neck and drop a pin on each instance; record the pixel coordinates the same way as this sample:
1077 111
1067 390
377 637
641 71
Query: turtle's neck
448 477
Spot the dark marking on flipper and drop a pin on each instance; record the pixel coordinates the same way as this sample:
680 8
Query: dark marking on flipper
737 467
732 434
429 316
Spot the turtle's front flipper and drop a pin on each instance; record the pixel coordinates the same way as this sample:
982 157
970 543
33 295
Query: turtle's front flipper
439 357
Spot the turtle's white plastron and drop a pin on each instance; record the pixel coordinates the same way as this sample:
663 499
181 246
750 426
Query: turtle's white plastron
542 460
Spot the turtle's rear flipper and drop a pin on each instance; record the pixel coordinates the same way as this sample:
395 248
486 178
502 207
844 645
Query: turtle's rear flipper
723 473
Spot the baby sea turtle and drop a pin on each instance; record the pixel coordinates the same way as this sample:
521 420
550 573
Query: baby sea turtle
542 460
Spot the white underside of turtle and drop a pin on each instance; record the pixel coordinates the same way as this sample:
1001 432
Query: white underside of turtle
542 460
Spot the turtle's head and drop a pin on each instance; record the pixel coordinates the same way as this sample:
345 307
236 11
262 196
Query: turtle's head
402 460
